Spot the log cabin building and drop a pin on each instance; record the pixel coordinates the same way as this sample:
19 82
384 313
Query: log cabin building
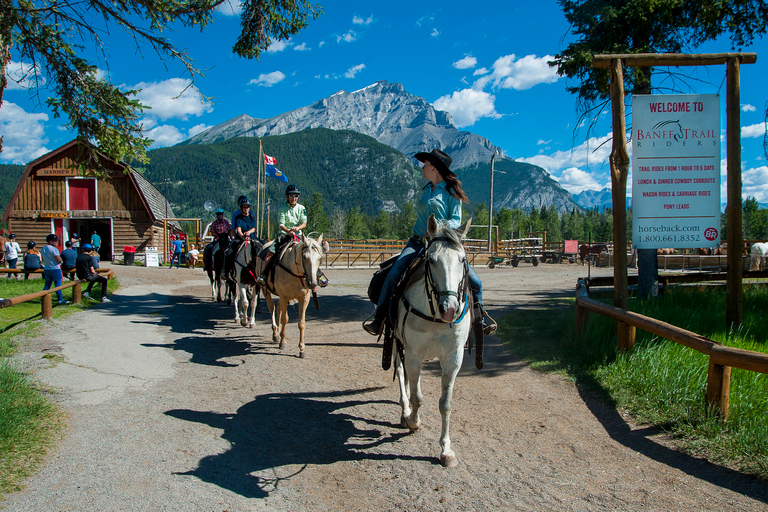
54 196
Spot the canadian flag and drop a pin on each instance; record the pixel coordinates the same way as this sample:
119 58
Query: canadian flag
270 160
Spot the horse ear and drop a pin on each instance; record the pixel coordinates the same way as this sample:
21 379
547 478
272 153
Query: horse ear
432 225
464 228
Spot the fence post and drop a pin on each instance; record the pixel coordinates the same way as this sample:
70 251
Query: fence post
582 314
77 296
626 336
47 306
719 387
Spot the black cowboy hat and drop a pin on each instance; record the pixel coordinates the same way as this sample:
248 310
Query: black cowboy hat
439 159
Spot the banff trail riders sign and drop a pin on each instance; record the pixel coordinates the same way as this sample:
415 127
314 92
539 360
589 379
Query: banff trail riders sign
675 171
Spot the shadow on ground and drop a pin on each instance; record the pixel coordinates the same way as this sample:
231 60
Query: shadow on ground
274 437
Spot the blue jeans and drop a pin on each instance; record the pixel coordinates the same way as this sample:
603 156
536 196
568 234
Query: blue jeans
12 264
412 249
53 276
175 256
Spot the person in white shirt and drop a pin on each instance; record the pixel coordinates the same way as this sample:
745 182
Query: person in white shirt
192 256
12 251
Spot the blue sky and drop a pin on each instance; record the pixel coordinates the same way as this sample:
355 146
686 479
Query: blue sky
485 63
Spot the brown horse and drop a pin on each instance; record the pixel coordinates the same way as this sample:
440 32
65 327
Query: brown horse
592 251
294 279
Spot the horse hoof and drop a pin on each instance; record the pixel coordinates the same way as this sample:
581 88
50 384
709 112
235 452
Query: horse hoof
282 346
303 355
243 322
250 326
449 461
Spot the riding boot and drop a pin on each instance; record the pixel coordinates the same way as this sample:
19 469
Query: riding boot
374 324
322 280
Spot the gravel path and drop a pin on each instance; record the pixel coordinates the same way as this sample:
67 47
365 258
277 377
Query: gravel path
173 407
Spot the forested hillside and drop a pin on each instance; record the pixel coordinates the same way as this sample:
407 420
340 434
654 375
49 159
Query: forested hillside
9 179
349 170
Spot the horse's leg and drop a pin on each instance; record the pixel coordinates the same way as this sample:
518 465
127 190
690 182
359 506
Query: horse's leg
413 368
405 406
450 368
213 283
273 312
252 315
242 292
282 307
303 303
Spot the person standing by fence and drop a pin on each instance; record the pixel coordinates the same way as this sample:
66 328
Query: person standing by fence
52 266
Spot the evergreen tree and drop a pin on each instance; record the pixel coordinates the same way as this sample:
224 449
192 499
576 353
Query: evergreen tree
317 220
405 222
357 225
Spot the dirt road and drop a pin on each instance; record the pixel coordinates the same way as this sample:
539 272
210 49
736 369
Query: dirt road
174 407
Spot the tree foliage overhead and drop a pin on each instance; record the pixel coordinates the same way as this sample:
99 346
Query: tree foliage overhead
646 26
48 37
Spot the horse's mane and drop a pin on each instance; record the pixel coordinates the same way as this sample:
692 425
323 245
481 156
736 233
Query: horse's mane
453 235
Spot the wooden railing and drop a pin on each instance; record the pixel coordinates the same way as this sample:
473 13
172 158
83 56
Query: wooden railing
45 295
721 358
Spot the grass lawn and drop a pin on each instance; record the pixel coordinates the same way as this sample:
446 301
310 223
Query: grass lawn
29 422
661 382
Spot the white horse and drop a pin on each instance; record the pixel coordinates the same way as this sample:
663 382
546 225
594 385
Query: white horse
433 321
294 279
245 278
758 255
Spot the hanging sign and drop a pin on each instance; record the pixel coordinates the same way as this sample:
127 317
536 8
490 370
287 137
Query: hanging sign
675 171
54 215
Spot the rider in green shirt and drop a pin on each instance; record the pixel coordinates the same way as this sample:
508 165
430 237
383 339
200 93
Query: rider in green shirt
292 218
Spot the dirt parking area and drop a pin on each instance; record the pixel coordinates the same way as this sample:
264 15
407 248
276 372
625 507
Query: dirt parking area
171 406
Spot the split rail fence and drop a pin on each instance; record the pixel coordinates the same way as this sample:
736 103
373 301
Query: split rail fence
45 295
721 358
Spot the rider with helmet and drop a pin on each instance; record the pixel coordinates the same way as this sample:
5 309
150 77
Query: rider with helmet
292 218
244 226
221 225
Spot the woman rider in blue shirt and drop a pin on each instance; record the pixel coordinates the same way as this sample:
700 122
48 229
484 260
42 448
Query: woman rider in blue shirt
442 197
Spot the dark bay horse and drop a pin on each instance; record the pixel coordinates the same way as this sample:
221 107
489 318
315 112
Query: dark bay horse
213 263
591 250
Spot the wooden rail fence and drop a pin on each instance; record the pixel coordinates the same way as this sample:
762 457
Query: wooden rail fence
721 358
45 295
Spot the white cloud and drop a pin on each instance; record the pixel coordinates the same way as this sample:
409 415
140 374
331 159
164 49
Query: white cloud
753 130
231 8
754 183
168 101
542 142
279 46
198 128
576 181
593 151
321 44
351 72
467 106
347 38
748 108
268 79
519 74
165 135
357 20
301 48
23 134
465 63
21 76
480 71
434 33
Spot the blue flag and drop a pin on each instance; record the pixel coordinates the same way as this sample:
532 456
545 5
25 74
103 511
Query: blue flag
274 172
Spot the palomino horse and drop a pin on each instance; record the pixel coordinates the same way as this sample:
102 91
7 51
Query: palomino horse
245 274
294 278
213 263
758 254
426 331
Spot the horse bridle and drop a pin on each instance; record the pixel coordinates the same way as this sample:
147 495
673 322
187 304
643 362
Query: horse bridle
434 293
300 276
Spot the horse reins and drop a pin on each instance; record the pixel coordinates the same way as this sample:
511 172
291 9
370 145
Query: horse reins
434 295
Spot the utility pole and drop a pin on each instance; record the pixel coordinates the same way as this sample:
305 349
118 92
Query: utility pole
490 203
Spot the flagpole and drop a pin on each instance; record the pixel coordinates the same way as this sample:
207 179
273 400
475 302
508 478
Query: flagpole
263 178
258 193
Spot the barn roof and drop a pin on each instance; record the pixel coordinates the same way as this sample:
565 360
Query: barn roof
154 201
